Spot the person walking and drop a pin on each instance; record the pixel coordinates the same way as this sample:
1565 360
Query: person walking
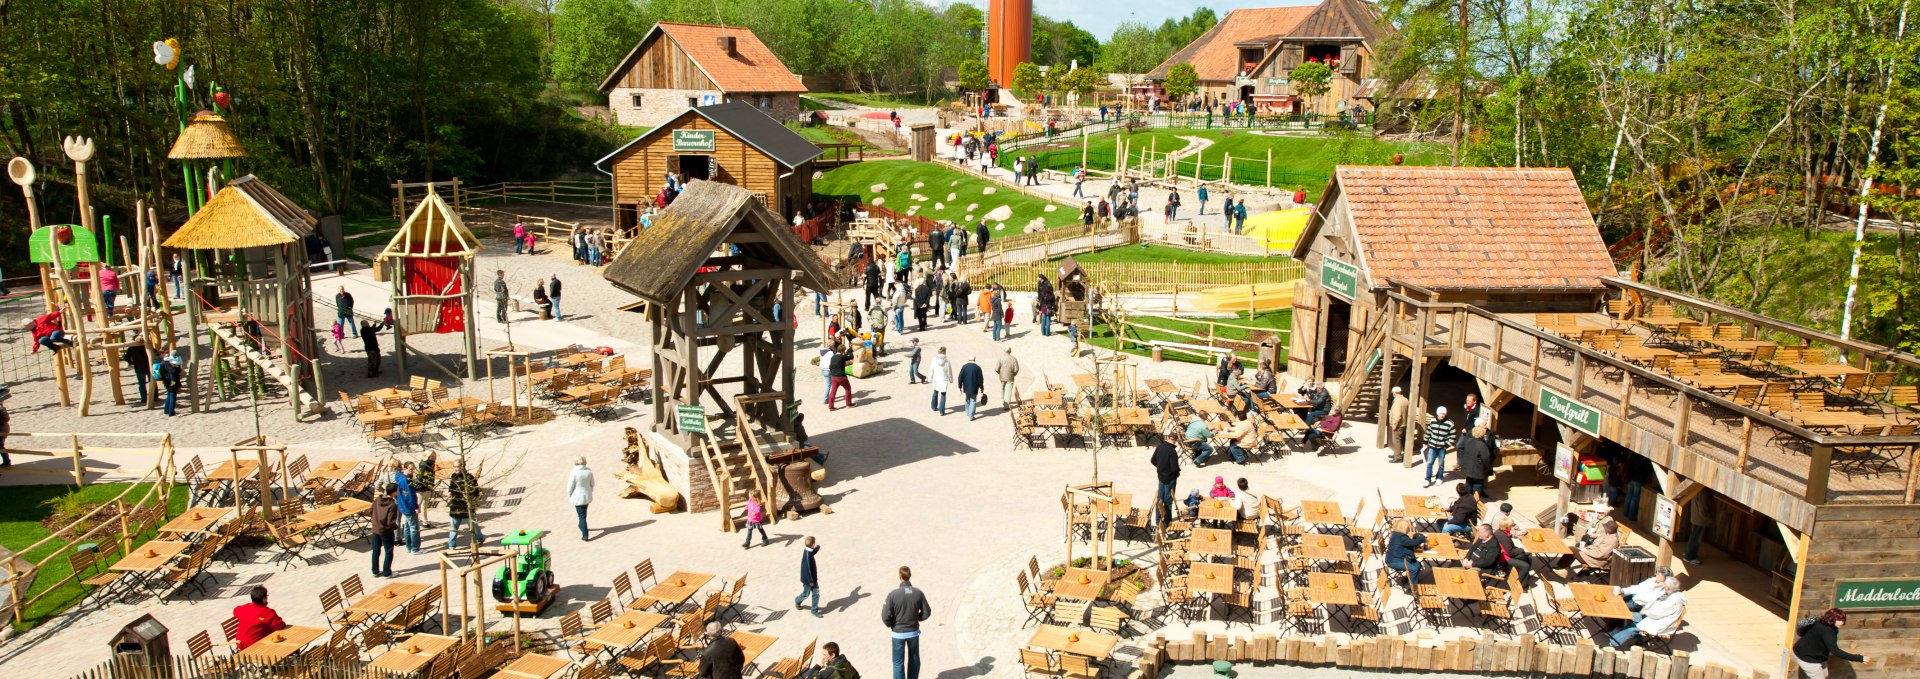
837 375
343 309
1166 466
941 375
973 381
519 237
1240 217
1008 370
1200 194
500 295
1699 520
1079 177
922 297
809 576
6 427
1173 205
463 496
370 342
135 356
177 274
109 286
580 492
384 518
170 374
1396 423
913 362
1820 641
1476 462
905 608
981 237
407 502
996 307
553 295
756 520
1440 435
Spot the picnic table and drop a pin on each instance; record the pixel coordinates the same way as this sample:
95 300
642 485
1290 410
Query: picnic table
227 471
280 645
1161 390
1211 542
1599 601
1741 347
1323 512
1323 547
1416 507
1078 642
334 470
752 645
588 390
414 654
1331 589
1440 546
676 589
1824 370
1132 417
534 666
1208 406
1047 399
582 357
196 520
1053 421
1642 353
387 415
1210 578
387 599
1295 402
626 629
544 376
1081 583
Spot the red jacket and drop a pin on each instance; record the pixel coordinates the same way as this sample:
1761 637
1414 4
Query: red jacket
256 622
43 326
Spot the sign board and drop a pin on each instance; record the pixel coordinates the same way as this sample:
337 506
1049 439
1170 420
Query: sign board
1563 458
709 99
1664 511
693 140
83 248
1340 276
1371 362
1276 81
1575 414
691 419
1243 82
1877 594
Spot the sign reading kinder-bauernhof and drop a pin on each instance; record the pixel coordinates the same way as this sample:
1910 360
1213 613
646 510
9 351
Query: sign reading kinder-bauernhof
1877 595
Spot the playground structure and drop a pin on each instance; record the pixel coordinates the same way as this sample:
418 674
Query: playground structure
429 263
251 289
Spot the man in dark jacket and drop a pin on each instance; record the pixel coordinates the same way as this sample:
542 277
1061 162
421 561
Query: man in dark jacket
981 236
809 576
370 341
922 297
1403 548
723 658
833 665
1476 461
873 280
170 374
936 247
904 610
553 294
1484 554
463 495
384 519
135 355
343 309
972 382
1319 403
1043 305
962 291
1166 465
1463 512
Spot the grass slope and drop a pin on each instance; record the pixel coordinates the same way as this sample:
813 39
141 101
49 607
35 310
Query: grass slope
1279 321
854 182
20 527
1298 161
872 99
1161 254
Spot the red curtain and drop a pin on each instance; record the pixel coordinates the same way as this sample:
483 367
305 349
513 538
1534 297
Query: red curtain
438 276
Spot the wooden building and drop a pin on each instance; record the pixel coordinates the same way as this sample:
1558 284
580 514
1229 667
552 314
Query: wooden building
1250 54
726 143
1792 442
678 66
429 263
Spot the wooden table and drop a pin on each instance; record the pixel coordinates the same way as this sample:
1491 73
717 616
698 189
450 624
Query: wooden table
1211 542
534 666
1723 381
1742 347
543 376
1322 547
1086 381
1078 642
626 629
341 510
1219 509
1071 587
414 654
1836 419
379 603
1333 589
1599 601
1053 421
1415 507
1322 512
390 414
1543 542
227 472
582 357
667 591
1132 417
1295 402
1208 406
196 520
150 556
1459 594
1221 581
1828 370
389 394
1287 421
334 470
588 390
1047 399
1440 546
279 645
752 645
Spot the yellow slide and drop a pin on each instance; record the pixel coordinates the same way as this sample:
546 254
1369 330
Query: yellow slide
1279 229
1259 297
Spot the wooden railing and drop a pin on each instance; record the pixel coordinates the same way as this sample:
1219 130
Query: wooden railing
463 196
154 488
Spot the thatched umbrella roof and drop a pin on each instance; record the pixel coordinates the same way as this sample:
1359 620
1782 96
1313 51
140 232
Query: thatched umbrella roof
207 136
245 214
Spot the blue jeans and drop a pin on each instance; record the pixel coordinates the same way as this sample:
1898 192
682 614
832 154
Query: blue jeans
173 394
1452 528
581 511
176 286
108 297
805 591
751 527
556 306
345 317
1436 464
972 401
1632 505
939 403
906 658
913 371
1166 502
819 298
518 244
1206 451
454 526
56 340
1479 488
1626 635
1046 325
1239 454
1412 568
382 542
899 320
410 532
998 324
140 376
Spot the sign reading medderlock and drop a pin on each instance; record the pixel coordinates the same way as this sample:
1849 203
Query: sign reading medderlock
693 140
1339 276
1877 594
1571 412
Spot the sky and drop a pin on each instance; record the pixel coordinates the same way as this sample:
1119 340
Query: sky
1099 17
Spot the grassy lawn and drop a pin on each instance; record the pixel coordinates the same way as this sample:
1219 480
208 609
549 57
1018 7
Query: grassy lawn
855 181
1298 161
810 104
20 527
371 231
1279 320
1161 254
873 99
825 135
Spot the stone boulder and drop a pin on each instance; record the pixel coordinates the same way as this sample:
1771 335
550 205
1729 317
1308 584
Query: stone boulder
999 214
878 188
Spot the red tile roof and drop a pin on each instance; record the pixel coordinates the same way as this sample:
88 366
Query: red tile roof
1473 228
752 68
1213 54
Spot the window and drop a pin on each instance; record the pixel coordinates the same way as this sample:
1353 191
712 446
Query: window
763 103
636 101
692 102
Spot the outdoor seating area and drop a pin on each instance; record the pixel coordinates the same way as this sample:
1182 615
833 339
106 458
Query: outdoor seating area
1110 410
586 382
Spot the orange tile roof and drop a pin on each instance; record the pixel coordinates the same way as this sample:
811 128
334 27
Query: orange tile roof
752 67
1214 55
1473 228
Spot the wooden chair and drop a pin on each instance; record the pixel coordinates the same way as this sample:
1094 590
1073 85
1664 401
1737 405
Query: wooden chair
105 582
592 670
1069 612
1038 662
730 602
656 653
1555 625
1078 666
573 636
1367 613
788 668
1907 395
1038 604
601 611
643 574
1109 619
1663 643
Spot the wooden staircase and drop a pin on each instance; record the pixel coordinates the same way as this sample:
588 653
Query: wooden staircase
1362 387
303 402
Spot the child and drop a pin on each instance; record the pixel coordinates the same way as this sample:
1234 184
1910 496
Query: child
339 334
1073 333
756 519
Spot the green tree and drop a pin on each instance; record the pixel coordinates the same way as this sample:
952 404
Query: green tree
1083 81
590 37
1182 81
1311 79
1027 80
974 76
1131 49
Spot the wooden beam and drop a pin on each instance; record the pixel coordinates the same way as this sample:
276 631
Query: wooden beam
1819 474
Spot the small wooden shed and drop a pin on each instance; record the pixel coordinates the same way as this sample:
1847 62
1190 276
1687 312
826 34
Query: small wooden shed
429 263
732 143
1072 285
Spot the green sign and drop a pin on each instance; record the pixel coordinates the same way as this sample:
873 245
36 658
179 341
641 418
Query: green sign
692 419
1574 413
83 248
1276 81
1340 276
1371 362
1877 594
693 140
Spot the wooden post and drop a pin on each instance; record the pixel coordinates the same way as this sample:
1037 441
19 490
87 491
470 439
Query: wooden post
79 471
1269 167
1746 445
1819 473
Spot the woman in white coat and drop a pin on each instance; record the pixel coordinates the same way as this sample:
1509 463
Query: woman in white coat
580 491
940 376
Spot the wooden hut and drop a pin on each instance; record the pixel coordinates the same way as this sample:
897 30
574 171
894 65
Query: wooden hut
1072 285
429 263
732 143
250 288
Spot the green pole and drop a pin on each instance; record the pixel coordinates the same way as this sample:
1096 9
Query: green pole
106 233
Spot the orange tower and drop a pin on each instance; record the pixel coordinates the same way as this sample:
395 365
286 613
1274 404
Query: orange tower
1009 37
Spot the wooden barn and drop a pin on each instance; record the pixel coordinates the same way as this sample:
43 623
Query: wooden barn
677 66
727 143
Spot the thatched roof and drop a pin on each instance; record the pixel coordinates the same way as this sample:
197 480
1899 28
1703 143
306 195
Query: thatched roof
433 230
657 264
245 214
206 137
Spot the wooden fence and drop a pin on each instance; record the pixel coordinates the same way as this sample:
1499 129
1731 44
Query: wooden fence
463 196
153 489
211 667
1520 655
1143 279
1193 237
1213 340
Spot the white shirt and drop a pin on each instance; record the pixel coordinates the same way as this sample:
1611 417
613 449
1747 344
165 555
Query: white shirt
1662 613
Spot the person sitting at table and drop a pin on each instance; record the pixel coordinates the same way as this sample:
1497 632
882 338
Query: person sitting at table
1238 398
723 658
1403 547
833 665
1318 402
1322 431
256 619
1242 438
1197 435
1499 514
1659 616
1245 500
1464 511
1485 554
1512 554
1595 552
1264 380
1647 590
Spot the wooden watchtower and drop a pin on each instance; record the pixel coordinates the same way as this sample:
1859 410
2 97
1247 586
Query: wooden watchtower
429 263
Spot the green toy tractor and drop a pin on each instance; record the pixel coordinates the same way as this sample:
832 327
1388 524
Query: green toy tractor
534 589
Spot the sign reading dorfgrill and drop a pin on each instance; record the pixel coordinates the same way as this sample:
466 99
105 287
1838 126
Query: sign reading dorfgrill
1339 276
693 140
1571 412
1877 595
